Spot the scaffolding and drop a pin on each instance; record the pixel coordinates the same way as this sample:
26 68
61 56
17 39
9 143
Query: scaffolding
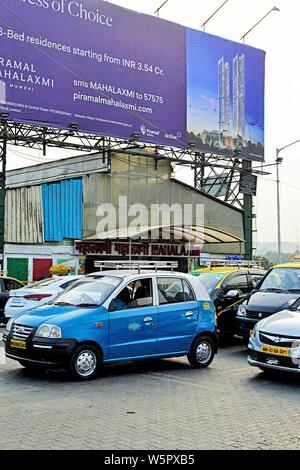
225 168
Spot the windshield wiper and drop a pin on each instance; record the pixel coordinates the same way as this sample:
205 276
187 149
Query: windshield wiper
63 304
293 290
274 289
87 305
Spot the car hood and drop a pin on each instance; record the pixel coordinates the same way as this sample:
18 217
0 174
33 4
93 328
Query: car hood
285 323
269 302
50 314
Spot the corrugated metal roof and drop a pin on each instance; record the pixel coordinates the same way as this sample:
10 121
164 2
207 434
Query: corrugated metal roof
57 170
62 209
23 215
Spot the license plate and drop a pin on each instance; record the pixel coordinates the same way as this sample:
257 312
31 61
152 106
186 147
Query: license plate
19 344
275 351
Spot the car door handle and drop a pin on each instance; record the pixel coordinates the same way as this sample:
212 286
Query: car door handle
189 314
148 319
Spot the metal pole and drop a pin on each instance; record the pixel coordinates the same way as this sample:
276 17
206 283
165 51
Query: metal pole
278 207
159 8
214 13
256 24
3 155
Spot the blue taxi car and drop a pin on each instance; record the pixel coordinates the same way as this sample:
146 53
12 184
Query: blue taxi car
116 316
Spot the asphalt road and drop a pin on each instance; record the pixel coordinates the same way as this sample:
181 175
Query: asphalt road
155 405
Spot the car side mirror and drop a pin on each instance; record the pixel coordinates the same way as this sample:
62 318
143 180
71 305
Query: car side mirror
232 294
112 306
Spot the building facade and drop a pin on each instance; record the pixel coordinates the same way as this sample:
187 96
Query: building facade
86 210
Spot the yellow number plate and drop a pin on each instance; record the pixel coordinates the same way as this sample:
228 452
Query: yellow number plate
275 350
16 343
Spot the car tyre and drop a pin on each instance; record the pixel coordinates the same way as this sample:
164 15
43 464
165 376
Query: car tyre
85 363
202 352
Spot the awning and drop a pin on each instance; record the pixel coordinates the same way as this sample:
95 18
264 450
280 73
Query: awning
187 234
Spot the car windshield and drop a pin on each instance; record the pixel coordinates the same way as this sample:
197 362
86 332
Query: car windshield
90 291
282 280
295 306
210 280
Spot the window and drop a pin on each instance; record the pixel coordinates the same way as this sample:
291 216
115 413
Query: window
67 284
10 284
256 278
210 280
237 282
89 291
136 294
172 290
188 293
282 279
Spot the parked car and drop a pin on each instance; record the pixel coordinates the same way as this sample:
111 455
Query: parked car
280 286
227 287
275 341
116 316
36 294
6 286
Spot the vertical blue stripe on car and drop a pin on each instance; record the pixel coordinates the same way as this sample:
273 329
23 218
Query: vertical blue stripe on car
62 210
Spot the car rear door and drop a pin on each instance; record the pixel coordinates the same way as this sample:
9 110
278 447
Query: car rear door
177 315
133 323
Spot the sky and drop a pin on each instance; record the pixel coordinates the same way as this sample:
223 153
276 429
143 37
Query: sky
279 35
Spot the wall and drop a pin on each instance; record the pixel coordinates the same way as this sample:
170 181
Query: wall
143 182
58 253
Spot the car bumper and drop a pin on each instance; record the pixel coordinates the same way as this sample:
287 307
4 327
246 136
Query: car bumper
45 352
244 326
290 363
256 363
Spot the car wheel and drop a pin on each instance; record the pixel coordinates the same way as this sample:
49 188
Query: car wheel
85 363
202 352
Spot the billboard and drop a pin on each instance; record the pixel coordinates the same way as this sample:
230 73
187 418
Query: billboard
115 72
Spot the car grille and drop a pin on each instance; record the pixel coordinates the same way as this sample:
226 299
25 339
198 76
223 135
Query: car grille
257 315
21 331
279 341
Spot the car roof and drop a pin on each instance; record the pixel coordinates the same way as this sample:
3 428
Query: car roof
10 278
127 273
288 265
220 269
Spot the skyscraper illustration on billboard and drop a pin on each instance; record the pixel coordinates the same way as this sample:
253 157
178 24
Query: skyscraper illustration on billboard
231 90
225 83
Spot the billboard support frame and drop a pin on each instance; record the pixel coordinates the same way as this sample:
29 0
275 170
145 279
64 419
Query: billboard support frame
42 137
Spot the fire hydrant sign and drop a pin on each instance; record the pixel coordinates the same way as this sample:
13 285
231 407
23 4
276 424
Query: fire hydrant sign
107 70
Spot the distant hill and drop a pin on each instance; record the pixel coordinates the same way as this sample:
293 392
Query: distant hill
266 247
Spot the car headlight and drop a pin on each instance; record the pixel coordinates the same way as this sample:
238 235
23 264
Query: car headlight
242 311
255 331
48 331
9 325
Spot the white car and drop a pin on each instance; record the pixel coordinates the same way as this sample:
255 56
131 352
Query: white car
37 294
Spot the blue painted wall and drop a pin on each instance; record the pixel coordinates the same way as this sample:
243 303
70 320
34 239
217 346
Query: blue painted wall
62 210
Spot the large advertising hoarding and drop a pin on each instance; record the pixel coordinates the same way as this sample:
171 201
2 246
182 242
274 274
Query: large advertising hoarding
115 72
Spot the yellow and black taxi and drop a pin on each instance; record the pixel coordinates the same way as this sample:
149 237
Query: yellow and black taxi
6 285
228 286
277 290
